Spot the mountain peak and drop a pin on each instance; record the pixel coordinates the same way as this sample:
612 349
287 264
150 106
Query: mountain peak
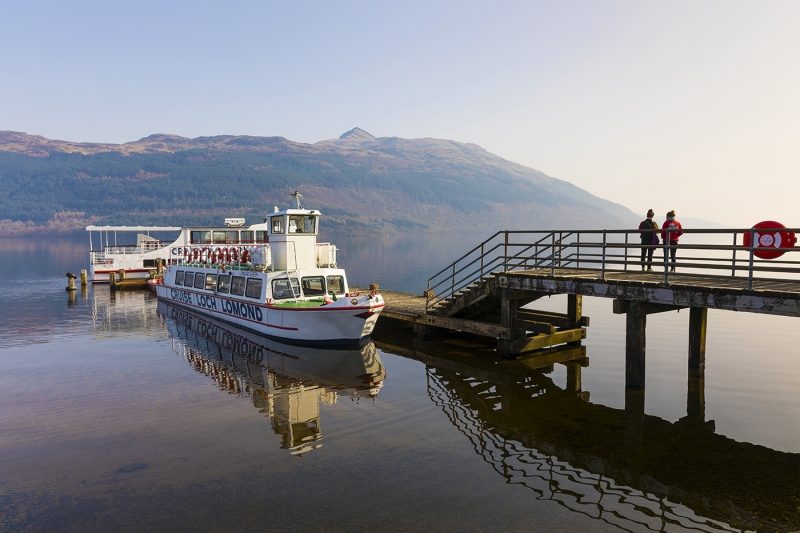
356 134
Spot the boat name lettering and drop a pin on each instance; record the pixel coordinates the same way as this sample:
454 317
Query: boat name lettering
242 309
226 339
209 302
177 251
181 296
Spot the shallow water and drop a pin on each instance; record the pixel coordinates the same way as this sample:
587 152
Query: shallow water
118 414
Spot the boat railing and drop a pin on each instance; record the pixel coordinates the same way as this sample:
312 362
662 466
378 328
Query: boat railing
709 252
99 258
125 249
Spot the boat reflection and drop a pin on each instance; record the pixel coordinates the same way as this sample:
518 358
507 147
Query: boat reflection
286 383
634 471
116 313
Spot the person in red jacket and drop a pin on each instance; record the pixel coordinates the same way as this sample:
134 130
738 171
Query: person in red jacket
671 231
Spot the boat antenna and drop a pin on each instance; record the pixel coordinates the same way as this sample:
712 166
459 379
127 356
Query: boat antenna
297 197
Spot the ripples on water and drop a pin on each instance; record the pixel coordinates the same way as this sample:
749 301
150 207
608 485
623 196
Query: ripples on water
122 414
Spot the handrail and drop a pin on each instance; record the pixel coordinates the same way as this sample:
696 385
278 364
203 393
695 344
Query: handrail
700 251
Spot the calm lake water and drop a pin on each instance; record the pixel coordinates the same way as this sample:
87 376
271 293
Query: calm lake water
122 415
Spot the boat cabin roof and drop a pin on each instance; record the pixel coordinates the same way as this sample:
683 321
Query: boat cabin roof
133 228
239 226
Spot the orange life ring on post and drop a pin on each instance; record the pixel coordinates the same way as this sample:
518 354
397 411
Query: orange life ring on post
769 234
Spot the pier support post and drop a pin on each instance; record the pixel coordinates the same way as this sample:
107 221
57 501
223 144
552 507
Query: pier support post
696 395
636 321
574 313
573 376
508 318
698 319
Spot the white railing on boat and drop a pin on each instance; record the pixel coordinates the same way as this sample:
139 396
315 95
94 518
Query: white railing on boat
147 246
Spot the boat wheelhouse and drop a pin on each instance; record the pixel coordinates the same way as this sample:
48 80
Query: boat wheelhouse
288 287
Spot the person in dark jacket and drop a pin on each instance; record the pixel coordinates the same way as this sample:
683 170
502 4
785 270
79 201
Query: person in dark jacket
671 231
648 231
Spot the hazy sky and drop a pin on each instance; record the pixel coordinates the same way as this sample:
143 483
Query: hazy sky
689 105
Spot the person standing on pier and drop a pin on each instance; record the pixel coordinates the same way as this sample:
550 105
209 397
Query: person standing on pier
671 231
648 230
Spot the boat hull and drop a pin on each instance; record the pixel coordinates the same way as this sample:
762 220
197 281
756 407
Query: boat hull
342 323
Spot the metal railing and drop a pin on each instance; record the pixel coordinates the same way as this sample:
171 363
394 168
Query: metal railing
717 252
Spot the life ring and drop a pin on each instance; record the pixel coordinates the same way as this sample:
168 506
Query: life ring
195 254
234 254
186 253
204 255
227 255
769 234
245 256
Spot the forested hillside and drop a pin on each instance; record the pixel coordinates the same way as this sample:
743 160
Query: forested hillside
357 181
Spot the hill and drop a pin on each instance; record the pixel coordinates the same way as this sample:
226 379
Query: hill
358 181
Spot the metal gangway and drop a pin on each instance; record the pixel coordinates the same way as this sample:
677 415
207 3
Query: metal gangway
720 255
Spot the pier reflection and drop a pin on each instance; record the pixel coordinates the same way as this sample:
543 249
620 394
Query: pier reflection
288 384
620 466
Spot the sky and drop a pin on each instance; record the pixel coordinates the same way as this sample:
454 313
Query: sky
692 105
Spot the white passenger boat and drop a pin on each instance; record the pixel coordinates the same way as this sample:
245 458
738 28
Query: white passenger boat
134 250
287 287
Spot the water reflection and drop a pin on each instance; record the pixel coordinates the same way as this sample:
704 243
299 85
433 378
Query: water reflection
116 313
620 466
288 384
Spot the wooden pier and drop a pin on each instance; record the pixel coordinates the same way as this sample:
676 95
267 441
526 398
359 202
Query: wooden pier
484 291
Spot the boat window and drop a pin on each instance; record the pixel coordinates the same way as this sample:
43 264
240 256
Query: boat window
336 284
189 280
211 282
281 288
254 286
224 283
313 285
277 224
199 280
149 263
226 237
179 277
237 285
201 237
247 236
261 236
309 224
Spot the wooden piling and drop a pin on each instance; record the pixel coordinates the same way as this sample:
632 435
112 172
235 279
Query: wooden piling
698 319
575 312
635 324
